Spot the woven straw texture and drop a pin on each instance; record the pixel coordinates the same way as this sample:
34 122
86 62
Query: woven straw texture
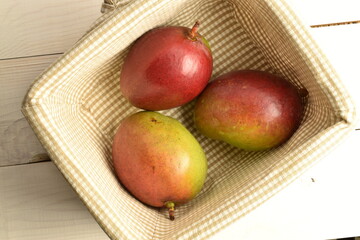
75 107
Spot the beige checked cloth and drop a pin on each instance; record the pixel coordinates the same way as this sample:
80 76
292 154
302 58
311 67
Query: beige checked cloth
75 107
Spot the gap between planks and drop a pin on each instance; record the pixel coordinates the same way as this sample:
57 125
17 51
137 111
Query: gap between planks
32 56
334 24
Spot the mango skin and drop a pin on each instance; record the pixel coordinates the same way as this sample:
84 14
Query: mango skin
165 68
158 160
251 110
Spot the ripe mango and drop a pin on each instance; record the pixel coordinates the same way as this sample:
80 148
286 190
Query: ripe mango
158 160
252 110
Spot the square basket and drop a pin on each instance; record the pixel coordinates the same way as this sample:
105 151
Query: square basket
75 107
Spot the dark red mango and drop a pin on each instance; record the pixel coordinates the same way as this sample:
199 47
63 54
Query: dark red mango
166 68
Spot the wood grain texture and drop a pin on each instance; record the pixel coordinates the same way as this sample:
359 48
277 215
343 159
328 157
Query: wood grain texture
18 143
36 203
41 27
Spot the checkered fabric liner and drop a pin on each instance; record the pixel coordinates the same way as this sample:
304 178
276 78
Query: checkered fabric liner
75 107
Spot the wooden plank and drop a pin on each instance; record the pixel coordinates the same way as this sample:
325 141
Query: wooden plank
326 11
18 143
43 27
37 203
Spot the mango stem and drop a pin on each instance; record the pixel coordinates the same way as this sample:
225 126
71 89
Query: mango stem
171 207
194 30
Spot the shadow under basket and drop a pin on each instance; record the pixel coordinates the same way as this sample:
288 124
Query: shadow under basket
75 107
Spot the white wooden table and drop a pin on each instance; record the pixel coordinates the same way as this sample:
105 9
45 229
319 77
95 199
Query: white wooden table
37 203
